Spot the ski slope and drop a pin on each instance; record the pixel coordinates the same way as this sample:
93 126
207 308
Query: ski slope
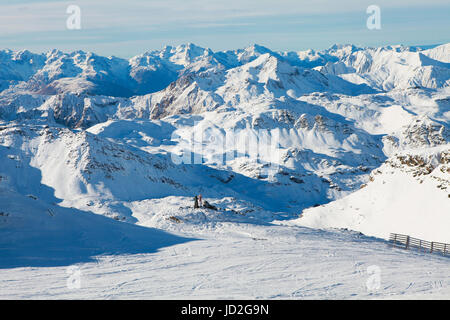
220 255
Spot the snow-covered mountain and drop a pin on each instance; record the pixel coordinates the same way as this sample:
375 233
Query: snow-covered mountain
409 192
100 133
388 69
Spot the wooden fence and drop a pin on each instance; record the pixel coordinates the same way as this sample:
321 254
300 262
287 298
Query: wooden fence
407 242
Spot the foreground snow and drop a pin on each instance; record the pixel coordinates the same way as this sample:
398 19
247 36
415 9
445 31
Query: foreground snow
289 263
232 255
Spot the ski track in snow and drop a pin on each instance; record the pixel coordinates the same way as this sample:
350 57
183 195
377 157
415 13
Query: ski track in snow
293 263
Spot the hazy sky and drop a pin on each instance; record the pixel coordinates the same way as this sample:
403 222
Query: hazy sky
129 27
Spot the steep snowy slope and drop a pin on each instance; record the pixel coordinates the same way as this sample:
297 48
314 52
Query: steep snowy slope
409 194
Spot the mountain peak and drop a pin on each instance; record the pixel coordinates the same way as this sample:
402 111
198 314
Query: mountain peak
258 48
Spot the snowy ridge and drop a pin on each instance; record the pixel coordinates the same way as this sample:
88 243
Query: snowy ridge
389 69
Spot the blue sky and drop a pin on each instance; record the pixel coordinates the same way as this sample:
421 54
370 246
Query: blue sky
127 28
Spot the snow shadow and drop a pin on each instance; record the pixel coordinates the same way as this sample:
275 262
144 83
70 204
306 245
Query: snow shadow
35 231
39 235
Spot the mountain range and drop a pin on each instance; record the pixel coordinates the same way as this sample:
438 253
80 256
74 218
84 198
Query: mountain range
362 133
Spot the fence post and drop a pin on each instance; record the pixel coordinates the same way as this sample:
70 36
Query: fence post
395 239
407 242
431 251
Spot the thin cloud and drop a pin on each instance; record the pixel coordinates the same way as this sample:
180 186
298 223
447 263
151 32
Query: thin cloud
146 24
23 16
